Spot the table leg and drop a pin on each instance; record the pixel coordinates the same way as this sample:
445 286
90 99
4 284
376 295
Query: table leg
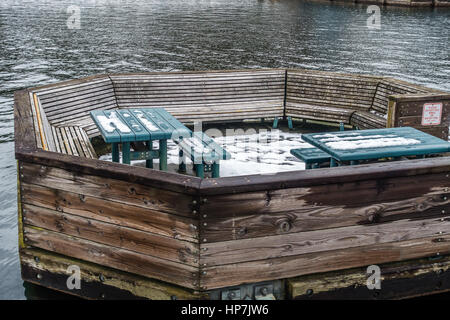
126 152
182 166
200 170
115 152
333 163
163 155
215 170
149 162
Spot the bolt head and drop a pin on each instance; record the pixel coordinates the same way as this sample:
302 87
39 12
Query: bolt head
264 291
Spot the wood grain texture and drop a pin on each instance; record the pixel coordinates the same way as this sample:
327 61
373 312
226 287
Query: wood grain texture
97 282
291 266
125 260
292 244
187 185
109 189
250 215
112 235
307 178
24 130
117 213
399 280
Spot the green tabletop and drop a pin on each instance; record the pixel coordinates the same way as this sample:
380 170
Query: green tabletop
376 143
130 125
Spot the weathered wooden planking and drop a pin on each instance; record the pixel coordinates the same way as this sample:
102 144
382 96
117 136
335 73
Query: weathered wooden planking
292 266
399 280
389 87
325 241
73 92
113 257
367 120
97 282
76 100
112 235
324 176
250 215
24 129
323 101
333 100
206 96
316 112
110 189
186 185
111 212
407 111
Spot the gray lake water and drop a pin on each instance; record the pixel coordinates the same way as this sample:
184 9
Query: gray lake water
37 47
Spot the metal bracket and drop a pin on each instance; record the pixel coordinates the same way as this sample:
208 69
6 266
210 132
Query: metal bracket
269 290
264 292
233 294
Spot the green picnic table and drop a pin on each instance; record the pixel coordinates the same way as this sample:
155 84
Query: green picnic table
124 126
359 145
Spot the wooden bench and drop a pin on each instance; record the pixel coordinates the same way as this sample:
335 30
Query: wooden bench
376 116
327 97
72 140
205 96
312 157
204 152
69 104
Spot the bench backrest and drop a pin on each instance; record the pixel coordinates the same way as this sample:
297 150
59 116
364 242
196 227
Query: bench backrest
70 104
193 93
328 89
388 87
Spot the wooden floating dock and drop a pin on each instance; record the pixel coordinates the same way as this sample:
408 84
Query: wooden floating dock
397 3
143 233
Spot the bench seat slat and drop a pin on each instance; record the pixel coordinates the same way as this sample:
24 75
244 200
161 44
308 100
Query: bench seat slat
367 120
311 155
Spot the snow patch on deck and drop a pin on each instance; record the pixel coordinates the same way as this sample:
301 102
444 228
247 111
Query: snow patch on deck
266 152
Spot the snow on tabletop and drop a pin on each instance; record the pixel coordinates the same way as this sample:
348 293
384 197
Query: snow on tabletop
371 143
113 122
148 124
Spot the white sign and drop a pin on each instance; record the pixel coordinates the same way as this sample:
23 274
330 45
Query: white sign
432 114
